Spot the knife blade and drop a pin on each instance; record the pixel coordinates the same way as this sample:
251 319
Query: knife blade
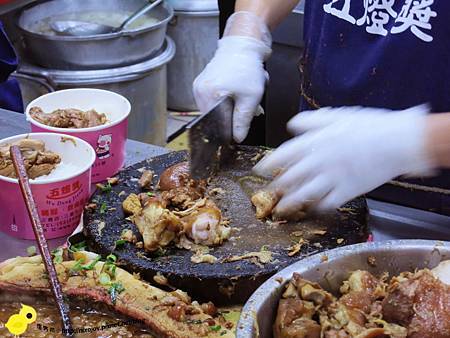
210 137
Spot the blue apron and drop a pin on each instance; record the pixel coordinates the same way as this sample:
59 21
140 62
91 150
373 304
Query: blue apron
10 95
379 53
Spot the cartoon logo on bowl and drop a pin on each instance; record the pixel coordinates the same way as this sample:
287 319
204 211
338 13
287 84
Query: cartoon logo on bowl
103 146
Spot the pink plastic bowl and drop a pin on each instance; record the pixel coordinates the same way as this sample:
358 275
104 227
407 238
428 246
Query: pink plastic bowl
60 197
108 140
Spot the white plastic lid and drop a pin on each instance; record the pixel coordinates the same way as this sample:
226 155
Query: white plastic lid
194 5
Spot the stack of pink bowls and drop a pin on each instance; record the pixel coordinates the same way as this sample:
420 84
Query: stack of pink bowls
88 155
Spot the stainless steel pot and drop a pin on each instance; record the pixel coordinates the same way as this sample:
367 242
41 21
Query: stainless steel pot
91 52
143 84
394 257
32 87
196 35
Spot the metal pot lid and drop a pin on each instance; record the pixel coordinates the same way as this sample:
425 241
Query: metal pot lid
110 75
194 5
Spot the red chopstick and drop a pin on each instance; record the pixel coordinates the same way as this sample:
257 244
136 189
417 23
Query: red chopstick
25 187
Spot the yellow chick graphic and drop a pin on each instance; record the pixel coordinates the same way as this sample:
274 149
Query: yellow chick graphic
17 324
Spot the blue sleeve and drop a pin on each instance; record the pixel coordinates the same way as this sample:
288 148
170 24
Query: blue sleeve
8 57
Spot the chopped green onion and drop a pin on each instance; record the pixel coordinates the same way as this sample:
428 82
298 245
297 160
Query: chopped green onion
118 286
120 242
111 269
150 194
111 258
92 264
115 289
58 259
104 279
31 250
215 328
105 188
76 267
223 333
103 208
58 255
78 247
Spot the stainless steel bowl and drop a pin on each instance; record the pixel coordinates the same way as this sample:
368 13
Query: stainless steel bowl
96 51
394 257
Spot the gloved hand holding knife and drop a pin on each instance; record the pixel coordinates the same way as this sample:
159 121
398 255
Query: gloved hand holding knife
337 153
237 70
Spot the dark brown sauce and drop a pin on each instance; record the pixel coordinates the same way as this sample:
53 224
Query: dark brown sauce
48 323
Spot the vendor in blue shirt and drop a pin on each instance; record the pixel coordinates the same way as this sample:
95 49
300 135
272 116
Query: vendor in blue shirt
373 72
10 96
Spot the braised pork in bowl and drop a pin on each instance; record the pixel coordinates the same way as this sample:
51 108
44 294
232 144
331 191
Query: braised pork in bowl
99 117
397 285
59 168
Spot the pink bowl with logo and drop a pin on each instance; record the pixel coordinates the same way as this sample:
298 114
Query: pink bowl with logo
60 196
107 140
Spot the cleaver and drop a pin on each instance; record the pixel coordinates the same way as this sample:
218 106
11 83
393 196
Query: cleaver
210 136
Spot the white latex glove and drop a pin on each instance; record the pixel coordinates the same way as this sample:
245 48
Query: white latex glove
237 70
342 153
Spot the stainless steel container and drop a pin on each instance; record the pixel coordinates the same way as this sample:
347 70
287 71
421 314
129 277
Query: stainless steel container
394 257
91 52
32 87
194 5
196 35
143 84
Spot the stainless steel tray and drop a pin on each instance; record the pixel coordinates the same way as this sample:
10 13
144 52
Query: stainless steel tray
394 257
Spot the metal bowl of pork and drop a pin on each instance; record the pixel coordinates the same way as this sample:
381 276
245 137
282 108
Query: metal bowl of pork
331 268
141 40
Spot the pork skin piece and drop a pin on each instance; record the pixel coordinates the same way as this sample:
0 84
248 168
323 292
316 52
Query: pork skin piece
175 176
203 225
146 178
157 225
141 301
300 302
178 188
309 291
420 302
182 197
361 290
94 118
38 162
68 118
264 201
294 319
329 317
132 205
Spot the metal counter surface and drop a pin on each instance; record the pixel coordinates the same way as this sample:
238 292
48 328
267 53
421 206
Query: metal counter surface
12 123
